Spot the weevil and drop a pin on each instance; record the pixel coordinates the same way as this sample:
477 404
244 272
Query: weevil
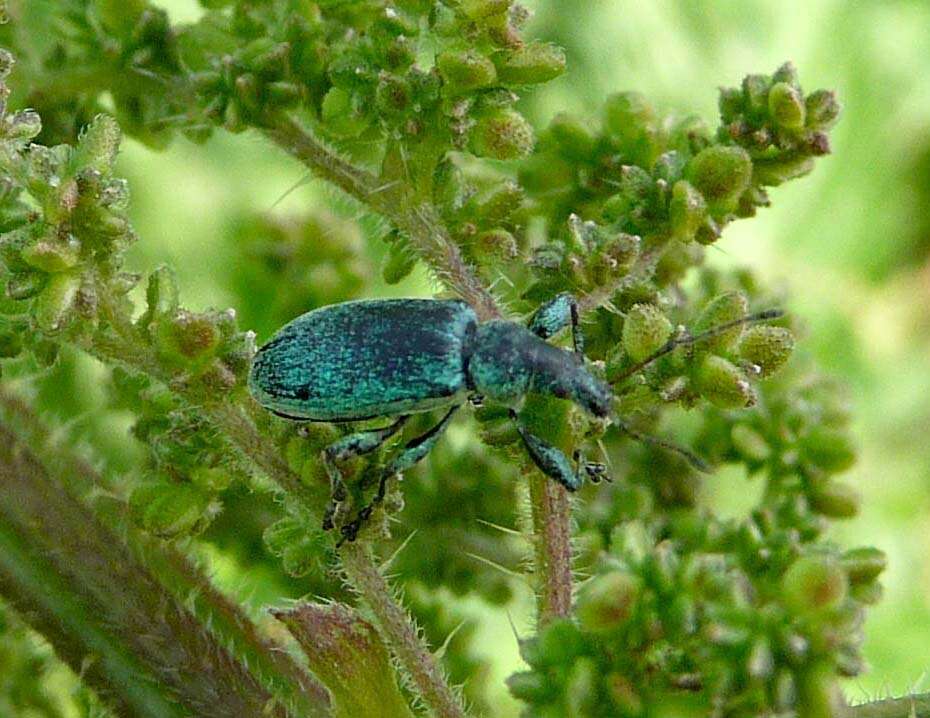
379 358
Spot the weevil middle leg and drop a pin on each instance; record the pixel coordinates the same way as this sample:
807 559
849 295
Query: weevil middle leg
556 314
413 451
357 444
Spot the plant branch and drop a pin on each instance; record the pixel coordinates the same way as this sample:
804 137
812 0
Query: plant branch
400 633
119 595
912 706
550 507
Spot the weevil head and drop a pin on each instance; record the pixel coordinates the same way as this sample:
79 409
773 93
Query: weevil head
509 361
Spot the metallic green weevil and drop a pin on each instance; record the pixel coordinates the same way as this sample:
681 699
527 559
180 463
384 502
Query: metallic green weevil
396 357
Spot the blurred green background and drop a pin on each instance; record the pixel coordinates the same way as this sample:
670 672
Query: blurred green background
851 243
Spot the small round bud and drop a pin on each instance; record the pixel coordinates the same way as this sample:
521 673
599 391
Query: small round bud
767 347
99 144
626 114
559 643
398 263
724 384
530 687
53 255
863 565
786 106
25 285
830 450
823 109
534 63
687 210
749 443
169 509
606 602
56 300
23 125
722 309
340 115
721 174
756 93
573 136
645 330
187 336
836 499
503 135
814 583
497 244
392 95
466 71
479 9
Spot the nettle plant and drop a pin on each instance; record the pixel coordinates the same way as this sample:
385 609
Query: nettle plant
647 602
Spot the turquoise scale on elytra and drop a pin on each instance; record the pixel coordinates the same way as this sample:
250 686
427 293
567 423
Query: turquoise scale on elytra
365 359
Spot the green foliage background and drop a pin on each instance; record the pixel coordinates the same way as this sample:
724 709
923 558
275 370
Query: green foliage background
851 242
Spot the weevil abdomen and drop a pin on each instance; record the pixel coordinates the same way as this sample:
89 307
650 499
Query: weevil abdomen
366 358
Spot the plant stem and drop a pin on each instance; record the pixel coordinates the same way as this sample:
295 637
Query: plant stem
400 633
120 597
551 515
912 706
417 220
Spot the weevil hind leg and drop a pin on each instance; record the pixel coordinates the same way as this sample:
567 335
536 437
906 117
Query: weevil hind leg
413 451
352 445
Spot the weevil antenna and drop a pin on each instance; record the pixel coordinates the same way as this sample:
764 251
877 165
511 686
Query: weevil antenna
675 342
696 461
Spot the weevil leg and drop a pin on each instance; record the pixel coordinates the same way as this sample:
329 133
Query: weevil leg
413 452
555 315
357 444
551 461
595 470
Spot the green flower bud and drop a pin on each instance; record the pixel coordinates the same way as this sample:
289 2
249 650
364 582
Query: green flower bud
581 688
503 134
282 94
723 384
534 63
760 662
687 210
773 172
7 61
836 499
23 125
645 330
721 174
814 583
558 643
767 347
211 478
479 9
53 255
466 71
11 344
283 533
303 556
56 300
823 109
830 450
819 693
787 106
756 93
530 687
340 114
867 593
573 137
99 144
169 509
622 694
863 565
722 309
187 336
787 73
626 114
749 443
607 601
25 286
497 244
392 95
398 263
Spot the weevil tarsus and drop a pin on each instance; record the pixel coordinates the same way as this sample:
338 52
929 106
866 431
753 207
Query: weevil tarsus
413 451
549 459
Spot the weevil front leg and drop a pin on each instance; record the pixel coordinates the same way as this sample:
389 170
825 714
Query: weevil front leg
551 460
555 315
357 444
413 451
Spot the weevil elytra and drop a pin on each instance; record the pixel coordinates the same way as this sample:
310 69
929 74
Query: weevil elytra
396 357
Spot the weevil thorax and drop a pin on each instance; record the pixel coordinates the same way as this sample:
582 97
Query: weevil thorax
508 361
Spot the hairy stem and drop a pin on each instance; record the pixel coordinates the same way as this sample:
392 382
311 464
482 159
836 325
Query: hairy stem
400 633
550 506
418 221
912 706
118 594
